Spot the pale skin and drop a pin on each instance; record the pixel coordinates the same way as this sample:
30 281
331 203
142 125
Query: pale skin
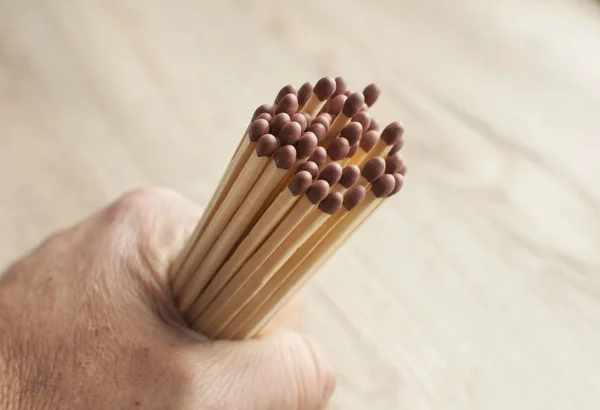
87 321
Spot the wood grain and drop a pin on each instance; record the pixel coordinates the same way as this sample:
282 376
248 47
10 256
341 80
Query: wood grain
477 288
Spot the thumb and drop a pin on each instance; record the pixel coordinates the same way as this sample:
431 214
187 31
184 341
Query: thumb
281 371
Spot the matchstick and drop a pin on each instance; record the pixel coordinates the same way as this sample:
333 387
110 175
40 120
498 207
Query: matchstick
366 144
324 89
331 174
303 94
188 291
286 89
257 235
364 118
350 175
310 167
351 107
391 135
373 169
371 93
337 150
309 225
394 164
315 194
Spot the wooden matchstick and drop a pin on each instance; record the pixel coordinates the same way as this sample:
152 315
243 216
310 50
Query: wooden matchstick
262 278
351 107
315 194
324 89
366 143
391 135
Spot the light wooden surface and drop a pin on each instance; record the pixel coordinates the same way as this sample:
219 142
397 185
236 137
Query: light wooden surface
477 288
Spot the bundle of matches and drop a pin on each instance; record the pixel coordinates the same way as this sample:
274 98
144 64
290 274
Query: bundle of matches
309 170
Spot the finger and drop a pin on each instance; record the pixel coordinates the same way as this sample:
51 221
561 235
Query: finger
283 371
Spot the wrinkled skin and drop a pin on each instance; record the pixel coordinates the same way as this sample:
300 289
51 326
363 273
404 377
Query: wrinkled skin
87 321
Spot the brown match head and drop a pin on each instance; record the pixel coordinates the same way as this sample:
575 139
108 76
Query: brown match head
262 109
335 105
375 125
364 118
324 88
353 150
290 133
278 122
393 164
397 146
331 203
392 133
266 145
307 144
371 93
347 93
300 119
399 183
300 183
353 104
285 156
265 116
403 170
304 93
319 130
373 169
352 132
323 119
368 140
383 186
310 167
350 175
319 156
318 191
288 104
288 89
353 196
340 86
331 173
338 149
257 129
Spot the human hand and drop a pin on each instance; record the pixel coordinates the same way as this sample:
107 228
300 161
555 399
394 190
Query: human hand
87 321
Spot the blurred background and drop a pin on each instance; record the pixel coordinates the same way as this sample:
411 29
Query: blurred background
477 287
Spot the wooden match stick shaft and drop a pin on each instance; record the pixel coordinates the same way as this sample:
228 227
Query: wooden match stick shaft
262 277
336 237
298 212
190 287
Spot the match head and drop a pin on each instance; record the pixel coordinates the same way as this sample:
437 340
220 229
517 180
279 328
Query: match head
324 88
353 196
278 122
397 146
318 191
392 133
335 105
331 203
340 86
257 129
368 140
262 109
383 186
285 156
352 132
288 104
364 118
319 130
300 119
300 183
399 183
288 89
393 164
374 168
375 125
290 133
350 175
304 93
331 173
353 150
310 167
371 93
319 156
338 149
265 116
353 104
323 119
306 145
266 145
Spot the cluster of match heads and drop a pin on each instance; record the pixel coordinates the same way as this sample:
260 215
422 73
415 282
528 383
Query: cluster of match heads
340 144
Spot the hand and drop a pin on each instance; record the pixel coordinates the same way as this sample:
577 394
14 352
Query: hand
87 321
